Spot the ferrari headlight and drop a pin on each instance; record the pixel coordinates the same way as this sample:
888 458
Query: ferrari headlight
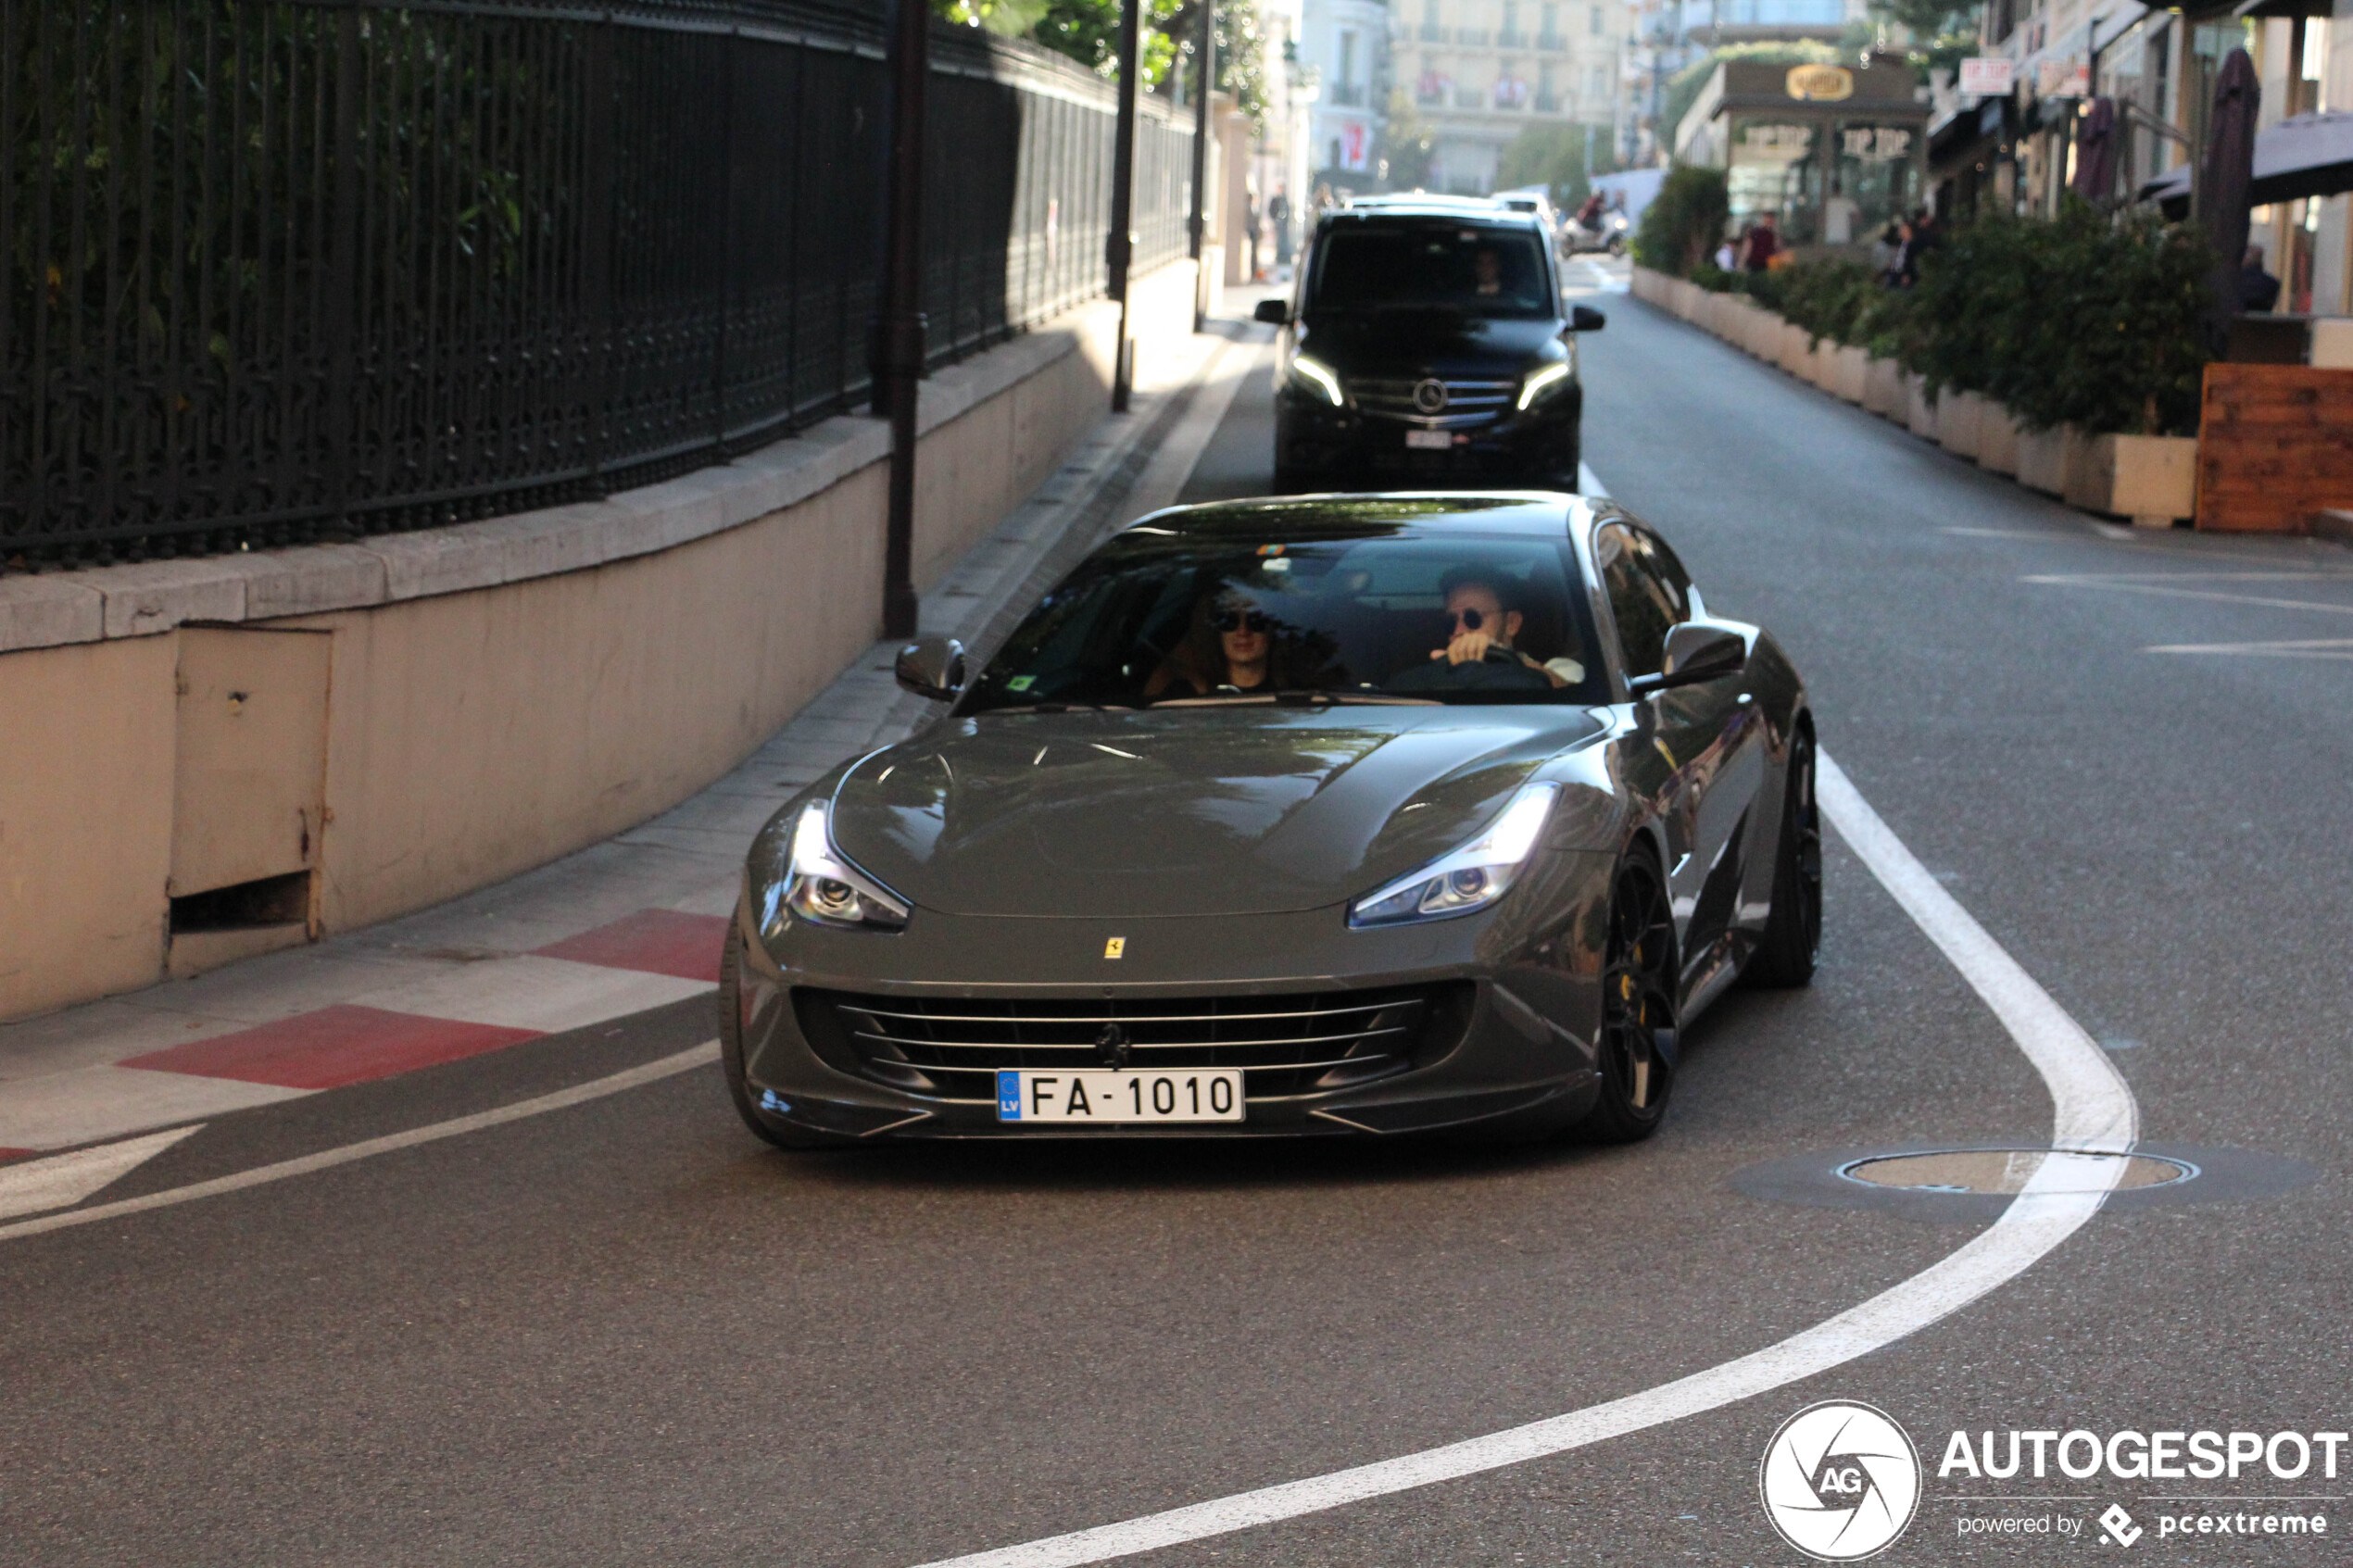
1542 382
823 888
1472 877
1314 375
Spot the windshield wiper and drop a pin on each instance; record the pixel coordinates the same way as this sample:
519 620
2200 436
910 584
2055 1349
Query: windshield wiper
1059 705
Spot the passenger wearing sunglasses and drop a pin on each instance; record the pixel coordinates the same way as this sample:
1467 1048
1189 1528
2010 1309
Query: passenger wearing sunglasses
1479 627
1228 648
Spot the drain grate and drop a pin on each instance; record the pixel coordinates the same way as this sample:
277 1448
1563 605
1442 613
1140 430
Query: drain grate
2003 1172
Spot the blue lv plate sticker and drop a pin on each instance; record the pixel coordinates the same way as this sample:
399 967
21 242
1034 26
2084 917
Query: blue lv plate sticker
1008 1096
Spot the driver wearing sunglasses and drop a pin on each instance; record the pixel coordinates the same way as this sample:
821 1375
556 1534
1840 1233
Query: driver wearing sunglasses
1479 625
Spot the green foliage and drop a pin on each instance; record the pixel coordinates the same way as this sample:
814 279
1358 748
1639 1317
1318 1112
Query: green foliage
1553 156
1408 143
1088 31
2080 319
1684 221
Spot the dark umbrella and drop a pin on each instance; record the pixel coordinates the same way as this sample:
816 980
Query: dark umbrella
2096 152
2221 196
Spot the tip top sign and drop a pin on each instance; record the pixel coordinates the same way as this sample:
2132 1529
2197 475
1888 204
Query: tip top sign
1987 76
1818 84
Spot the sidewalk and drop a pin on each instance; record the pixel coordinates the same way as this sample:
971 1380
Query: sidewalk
630 924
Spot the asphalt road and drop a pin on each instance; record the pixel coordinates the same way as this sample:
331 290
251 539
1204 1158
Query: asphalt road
625 1333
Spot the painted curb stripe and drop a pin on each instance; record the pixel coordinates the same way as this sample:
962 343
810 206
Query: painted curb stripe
261 1175
2093 1108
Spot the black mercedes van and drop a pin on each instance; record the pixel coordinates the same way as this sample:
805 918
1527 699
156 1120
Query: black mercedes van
1427 343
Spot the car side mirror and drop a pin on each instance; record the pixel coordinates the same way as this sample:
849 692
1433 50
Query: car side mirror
1697 651
931 666
1585 319
1274 312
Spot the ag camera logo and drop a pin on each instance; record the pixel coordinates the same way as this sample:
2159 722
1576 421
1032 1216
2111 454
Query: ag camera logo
1840 1481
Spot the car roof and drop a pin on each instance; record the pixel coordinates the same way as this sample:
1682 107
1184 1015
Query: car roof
1545 513
1450 211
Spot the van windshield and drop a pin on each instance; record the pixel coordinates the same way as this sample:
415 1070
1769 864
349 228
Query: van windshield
1476 269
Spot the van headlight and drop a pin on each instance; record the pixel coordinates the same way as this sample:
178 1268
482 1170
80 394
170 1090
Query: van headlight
1315 377
823 888
1545 381
1472 877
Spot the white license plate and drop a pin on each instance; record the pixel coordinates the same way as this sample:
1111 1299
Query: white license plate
1437 440
1101 1096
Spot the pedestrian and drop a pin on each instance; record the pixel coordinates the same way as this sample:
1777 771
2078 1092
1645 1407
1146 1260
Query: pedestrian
1885 249
1727 256
2257 289
1250 230
1761 245
1920 236
1279 213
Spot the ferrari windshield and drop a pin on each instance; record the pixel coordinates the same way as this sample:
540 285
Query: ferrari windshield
1385 615
1487 270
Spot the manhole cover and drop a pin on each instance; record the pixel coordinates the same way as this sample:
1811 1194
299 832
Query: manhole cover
2000 1173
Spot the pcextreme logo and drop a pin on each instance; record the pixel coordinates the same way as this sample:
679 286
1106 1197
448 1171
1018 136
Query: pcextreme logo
1840 1481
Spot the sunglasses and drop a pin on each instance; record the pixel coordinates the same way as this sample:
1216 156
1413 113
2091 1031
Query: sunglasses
1469 620
1237 619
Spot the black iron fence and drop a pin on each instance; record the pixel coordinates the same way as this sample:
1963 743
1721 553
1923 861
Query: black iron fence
285 271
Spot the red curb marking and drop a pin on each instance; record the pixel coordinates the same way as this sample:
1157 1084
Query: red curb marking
9 1154
653 941
332 1047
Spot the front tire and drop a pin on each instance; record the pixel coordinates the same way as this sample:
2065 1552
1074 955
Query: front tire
1639 1037
1785 954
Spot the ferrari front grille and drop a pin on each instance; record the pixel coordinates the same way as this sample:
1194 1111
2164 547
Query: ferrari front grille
1285 1044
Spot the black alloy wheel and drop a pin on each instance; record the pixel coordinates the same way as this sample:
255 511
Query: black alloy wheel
1638 1038
1785 954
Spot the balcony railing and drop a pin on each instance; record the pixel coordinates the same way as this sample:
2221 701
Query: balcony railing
1552 43
1469 98
1511 38
1474 36
1430 33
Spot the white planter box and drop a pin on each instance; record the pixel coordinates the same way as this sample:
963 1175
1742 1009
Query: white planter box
1997 439
1724 317
2044 458
1796 350
1920 408
1823 369
1884 388
2151 479
1854 372
1763 337
1960 415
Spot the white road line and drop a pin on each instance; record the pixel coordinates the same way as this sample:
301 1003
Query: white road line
579 1094
63 1180
2192 594
2093 1109
2309 647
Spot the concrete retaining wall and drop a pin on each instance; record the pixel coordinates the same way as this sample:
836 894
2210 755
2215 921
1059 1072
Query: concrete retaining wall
496 695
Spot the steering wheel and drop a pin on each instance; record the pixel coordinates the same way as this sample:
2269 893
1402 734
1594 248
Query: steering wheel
1500 670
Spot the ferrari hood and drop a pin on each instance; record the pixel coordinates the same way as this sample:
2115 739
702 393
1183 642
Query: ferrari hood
1200 812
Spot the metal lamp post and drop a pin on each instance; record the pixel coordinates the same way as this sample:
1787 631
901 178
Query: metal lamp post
898 350
1120 247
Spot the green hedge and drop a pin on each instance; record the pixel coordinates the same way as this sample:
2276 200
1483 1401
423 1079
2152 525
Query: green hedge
1684 221
2082 320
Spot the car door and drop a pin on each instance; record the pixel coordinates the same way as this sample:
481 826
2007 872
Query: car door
1707 736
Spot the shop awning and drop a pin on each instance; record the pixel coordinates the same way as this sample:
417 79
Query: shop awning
2309 155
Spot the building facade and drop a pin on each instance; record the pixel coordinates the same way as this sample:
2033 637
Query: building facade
1481 71
1344 44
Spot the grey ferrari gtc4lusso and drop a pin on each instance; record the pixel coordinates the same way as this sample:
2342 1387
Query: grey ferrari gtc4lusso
1335 814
